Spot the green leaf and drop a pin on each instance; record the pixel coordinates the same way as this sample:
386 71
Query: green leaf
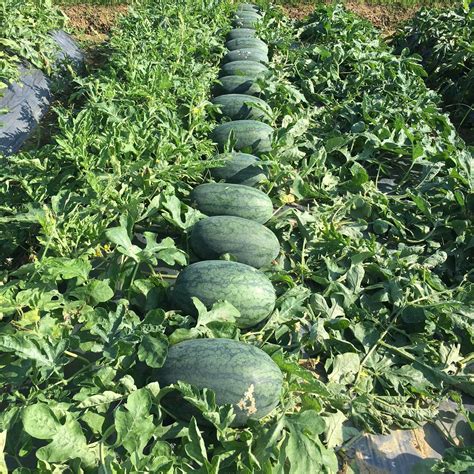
196 449
153 350
165 250
119 236
134 424
334 432
354 277
3 464
221 311
40 351
94 421
100 400
303 448
174 207
95 292
344 368
68 443
40 422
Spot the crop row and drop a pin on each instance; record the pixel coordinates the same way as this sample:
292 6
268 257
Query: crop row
372 325
444 39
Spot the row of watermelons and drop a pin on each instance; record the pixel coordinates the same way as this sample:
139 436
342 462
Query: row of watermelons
240 374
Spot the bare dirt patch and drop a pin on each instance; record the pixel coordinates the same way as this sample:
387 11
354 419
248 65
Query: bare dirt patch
385 17
299 12
94 21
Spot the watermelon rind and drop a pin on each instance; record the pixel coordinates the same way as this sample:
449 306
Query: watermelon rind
240 168
246 241
237 85
252 69
246 288
243 135
241 375
244 43
227 199
241 33
242 107
246 54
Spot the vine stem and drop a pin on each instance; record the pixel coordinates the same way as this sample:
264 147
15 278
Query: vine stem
380 340
76 356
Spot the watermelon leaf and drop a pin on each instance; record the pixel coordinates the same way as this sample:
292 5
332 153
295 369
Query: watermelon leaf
153 349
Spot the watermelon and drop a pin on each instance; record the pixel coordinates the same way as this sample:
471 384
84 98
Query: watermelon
240 375
249 7
242 14
238 85
244 43
246 288
225 199
244 135
244 68
240 168
246 241
249 22
248 54
241 106
241 33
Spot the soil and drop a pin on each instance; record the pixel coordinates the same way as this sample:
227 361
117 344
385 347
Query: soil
385 17
94 22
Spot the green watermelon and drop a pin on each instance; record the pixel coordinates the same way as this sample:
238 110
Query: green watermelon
247 7
240 168
240 375
248 54
241 33
225 199
244 135
246 288
241 107
246 241
244 43
248 22
252 69
242 14
238 85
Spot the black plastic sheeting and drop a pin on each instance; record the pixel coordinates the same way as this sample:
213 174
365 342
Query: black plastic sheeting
413 451
68 50
24 104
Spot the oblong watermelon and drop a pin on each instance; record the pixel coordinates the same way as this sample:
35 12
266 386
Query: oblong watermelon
247 54
241 375
226 199
244 14
247 289
244 135
252 69
249 22
241 33
248 7
237 85
244 43
242 106
240 168
246 241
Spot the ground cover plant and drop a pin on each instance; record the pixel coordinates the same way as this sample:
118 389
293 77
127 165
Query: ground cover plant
445 41
93 2
24 28
372 189
403 3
